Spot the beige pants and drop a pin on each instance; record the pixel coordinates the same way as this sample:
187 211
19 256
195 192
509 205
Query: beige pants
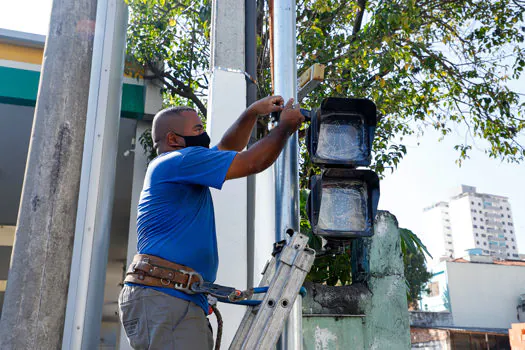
154 320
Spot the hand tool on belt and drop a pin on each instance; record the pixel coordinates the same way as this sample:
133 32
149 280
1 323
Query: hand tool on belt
150 270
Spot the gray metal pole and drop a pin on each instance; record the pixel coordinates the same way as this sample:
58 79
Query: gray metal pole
250 54
35 301
287 165
92 231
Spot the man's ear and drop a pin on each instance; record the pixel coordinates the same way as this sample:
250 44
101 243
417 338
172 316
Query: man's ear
175 141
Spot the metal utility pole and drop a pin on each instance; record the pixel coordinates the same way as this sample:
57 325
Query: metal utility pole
35 301
287 165
97 182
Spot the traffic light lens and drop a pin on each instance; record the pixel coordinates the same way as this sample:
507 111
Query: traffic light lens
343 207
341 140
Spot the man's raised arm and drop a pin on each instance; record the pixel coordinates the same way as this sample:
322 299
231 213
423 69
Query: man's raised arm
237 136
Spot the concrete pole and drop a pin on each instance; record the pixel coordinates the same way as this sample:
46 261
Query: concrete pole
97 183
227 100
287 165
35 301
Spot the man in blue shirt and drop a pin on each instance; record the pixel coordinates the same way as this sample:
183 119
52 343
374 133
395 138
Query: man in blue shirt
176 224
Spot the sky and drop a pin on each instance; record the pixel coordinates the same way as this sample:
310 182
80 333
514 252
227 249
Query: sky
426 175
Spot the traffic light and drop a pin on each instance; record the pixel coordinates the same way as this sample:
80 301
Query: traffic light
341 132
343 200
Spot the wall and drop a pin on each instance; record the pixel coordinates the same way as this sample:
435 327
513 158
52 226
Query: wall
427 319
485 295
367 315
436 303
433 236
462 231
15 129
428 339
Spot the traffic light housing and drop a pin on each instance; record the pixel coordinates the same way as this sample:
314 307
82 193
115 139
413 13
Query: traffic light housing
343 200
343 203
341 132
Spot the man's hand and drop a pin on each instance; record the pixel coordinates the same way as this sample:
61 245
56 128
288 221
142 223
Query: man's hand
267 105
262 154
291 118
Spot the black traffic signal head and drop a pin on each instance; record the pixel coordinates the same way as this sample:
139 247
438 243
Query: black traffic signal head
341 132
343 203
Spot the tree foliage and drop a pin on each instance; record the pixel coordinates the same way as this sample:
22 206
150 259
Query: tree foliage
426 63
416 273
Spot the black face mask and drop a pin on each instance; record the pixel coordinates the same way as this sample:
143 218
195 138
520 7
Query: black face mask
202 140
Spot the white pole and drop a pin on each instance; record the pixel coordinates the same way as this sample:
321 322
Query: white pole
287 165
140 164
90 251
227 100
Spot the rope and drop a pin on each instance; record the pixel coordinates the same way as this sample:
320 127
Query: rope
219 327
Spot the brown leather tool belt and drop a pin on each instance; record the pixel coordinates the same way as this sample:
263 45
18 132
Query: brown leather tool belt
150 270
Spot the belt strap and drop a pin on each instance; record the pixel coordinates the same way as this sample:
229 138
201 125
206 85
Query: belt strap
150 270
153 271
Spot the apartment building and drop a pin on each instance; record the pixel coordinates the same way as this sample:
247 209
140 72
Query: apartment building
470 220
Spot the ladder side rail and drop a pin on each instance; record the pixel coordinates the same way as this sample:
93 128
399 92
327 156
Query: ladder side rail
270 319
251 311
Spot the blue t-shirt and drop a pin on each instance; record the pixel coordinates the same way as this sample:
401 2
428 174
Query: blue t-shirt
175 213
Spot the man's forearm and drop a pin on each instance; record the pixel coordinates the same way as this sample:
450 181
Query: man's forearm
266 150
261 155
237 136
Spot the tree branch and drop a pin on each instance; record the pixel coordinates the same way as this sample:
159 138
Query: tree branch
359 17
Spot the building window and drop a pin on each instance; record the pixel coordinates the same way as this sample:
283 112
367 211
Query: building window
512 239
484 243
508 254
510 231
475 226
507 246
474 218
483 235
502 215
515 255
480 219
471 202
477 234
510 224
434 289
477 242
514 247
508 209
482 227
508 216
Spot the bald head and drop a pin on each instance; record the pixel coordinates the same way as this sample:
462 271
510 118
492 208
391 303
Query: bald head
171 121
